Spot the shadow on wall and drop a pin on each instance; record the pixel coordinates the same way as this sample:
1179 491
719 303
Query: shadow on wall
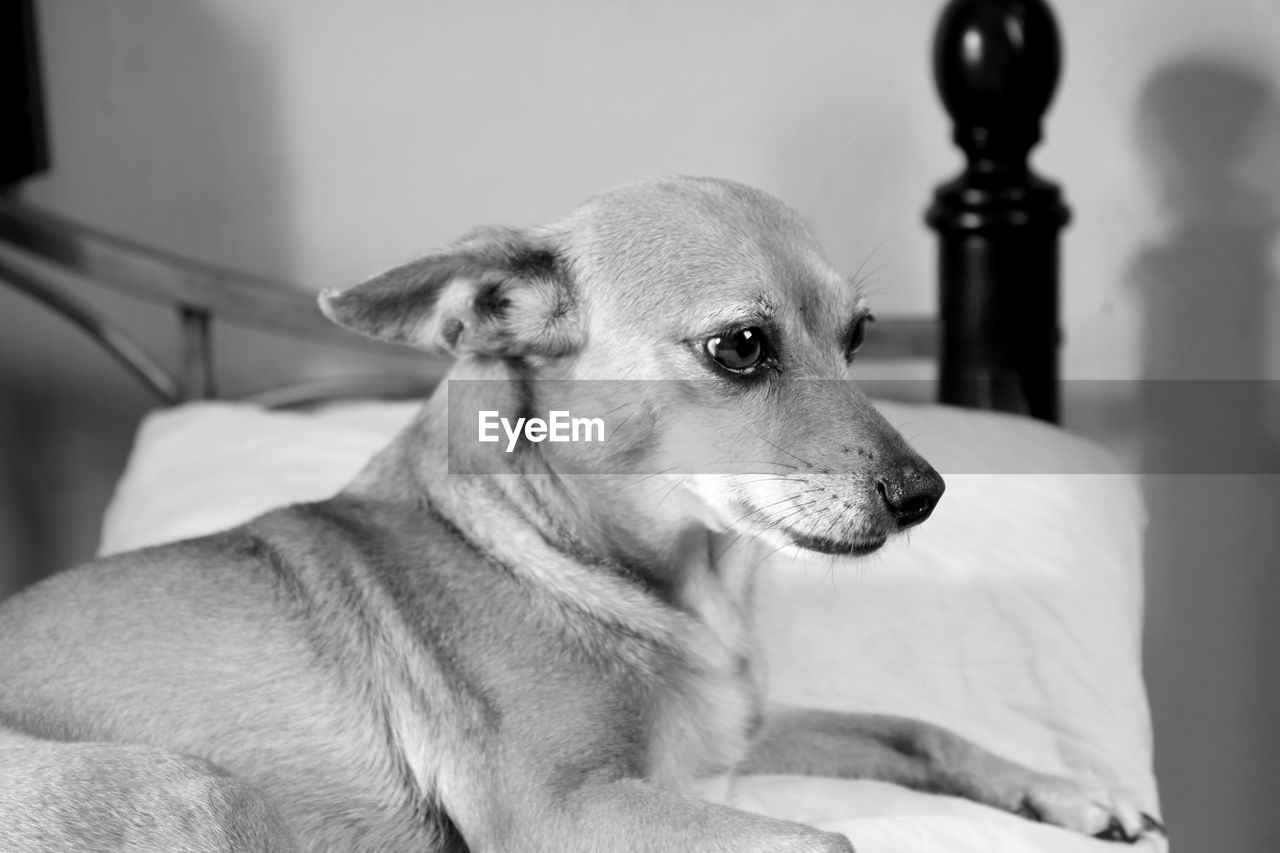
1211 133
182 137
1206 286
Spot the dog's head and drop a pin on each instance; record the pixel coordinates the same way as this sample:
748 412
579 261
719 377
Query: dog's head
736 338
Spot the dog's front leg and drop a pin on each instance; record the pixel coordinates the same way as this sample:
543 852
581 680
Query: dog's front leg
637 817
930 758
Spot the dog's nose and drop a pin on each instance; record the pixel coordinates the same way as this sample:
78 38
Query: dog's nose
912 495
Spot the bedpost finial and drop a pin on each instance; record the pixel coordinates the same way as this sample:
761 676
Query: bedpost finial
996 64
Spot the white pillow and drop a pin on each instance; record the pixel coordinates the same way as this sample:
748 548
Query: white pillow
1013 616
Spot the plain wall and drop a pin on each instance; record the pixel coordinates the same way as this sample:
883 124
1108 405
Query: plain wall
321 141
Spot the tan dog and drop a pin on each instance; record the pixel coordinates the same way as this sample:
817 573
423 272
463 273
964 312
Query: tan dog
470 649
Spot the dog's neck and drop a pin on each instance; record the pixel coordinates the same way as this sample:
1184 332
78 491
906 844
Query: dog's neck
541 528
516 506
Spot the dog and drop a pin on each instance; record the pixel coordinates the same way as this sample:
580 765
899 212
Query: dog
513 645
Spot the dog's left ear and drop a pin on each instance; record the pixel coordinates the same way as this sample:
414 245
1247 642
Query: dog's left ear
497 291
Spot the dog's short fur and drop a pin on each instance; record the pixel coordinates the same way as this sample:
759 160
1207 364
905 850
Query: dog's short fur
518 660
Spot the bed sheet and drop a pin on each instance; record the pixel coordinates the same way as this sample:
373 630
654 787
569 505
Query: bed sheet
1012 617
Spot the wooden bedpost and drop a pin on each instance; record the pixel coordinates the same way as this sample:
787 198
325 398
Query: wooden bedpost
996 64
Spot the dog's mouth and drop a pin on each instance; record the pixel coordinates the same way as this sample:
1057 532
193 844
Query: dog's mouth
757 523
840 547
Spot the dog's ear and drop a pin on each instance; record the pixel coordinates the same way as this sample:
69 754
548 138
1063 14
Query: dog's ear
497 291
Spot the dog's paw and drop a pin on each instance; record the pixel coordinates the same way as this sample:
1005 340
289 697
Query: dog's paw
1112 814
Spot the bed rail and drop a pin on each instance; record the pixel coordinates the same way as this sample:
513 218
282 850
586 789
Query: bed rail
153 375
37 250
201 294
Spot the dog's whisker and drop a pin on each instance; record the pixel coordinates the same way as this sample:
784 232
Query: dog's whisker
736 539
875 249
774 462
768 555
802 461
668 493
641 478
798 510
870 275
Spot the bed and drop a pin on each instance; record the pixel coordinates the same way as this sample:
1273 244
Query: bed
1013 617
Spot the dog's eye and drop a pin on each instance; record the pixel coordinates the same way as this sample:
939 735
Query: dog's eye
857 334
740 351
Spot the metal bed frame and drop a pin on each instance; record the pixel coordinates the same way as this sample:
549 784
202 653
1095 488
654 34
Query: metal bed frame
996 64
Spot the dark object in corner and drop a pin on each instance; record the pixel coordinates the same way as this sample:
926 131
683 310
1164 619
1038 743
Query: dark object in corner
996 63
23 150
